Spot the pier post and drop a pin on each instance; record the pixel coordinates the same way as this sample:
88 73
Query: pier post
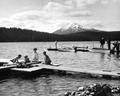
118 48
109 44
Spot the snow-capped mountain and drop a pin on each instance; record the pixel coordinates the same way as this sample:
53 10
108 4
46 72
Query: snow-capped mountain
72 28
69 28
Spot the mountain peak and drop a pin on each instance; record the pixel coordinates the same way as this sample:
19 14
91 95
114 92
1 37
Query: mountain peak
69 28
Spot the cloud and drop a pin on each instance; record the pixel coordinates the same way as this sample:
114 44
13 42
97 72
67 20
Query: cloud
54 14
80 13
46 19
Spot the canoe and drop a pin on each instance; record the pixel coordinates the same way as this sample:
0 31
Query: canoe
60 49
95 48
82 49
100 50
52 49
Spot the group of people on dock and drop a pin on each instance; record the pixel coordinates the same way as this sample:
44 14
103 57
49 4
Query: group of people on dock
102 43
35 59
115 48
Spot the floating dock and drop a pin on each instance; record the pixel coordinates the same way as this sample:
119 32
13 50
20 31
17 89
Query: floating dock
38 67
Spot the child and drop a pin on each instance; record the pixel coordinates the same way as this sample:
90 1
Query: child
26 59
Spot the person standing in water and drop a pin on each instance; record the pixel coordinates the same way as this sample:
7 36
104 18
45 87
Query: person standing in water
109 44
55 44
102 42
36 56
47 59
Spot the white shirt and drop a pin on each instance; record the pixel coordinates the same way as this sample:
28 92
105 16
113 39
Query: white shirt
36 57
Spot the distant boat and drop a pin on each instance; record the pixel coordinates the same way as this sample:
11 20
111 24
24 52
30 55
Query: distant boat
100 50
52 49
64 49
82 49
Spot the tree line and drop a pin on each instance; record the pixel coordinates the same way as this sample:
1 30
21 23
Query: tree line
24 35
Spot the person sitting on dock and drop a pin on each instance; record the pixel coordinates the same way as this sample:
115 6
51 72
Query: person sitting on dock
16 60
25 63
26 59
47 59
36 56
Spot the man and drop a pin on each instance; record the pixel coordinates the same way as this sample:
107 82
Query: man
102 42
36 56
16 60
47 59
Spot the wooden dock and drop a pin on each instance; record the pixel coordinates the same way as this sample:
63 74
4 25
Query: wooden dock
38 67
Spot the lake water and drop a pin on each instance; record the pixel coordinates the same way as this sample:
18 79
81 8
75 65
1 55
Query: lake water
56 85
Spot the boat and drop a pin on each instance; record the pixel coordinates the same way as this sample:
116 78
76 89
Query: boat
82 49
52 49
100 50
65 49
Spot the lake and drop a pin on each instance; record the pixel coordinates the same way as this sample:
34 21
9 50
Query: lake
56 85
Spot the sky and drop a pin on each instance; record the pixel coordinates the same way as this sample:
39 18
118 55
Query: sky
50 15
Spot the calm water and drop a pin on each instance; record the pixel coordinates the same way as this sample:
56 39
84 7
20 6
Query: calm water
55 85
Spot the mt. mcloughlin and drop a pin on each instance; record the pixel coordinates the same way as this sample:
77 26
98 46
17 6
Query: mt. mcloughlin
72 28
